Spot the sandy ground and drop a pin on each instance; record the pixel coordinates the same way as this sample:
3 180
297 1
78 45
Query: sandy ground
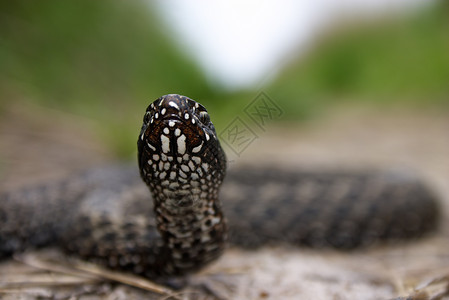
33 148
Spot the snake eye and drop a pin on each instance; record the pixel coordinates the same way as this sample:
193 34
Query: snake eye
204 117
147 117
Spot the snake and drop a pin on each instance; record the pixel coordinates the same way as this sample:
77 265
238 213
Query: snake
181 208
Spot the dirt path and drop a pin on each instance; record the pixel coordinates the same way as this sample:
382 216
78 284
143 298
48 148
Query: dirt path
33 148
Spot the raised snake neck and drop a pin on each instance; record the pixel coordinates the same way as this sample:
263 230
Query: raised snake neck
106 214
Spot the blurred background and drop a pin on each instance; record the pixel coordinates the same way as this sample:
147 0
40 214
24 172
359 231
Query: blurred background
359 84
94 66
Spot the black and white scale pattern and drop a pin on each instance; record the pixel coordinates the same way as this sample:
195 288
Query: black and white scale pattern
108 216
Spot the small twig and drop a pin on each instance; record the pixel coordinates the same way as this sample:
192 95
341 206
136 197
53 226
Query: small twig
35 262
95 273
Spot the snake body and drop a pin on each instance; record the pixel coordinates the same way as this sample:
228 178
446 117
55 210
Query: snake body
107 215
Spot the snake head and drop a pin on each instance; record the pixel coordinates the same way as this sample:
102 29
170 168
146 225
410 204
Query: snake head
179 155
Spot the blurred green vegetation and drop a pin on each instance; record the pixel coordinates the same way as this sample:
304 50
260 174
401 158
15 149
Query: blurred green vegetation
401 60
108 60
104 60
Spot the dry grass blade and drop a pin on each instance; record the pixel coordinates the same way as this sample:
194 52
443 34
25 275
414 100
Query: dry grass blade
433 281
127 279
93 273
438 285
36 261
42 281
436 288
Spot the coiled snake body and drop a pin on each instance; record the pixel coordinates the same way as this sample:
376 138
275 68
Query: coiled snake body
107 215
